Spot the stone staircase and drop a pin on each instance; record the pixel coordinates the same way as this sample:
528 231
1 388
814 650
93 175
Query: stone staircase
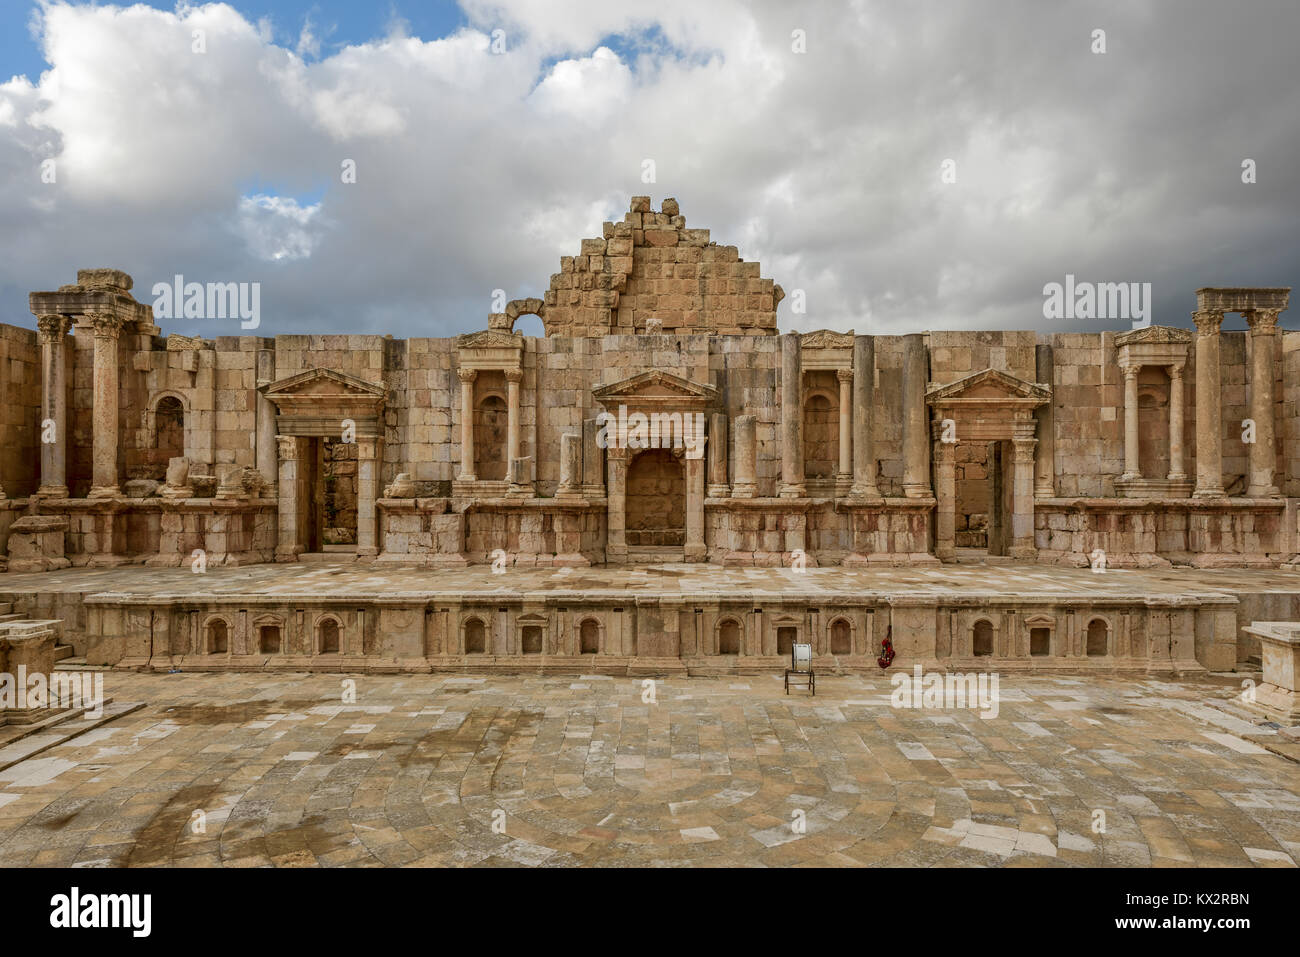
7 614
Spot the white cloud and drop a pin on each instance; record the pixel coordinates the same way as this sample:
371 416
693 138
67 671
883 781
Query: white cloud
477 170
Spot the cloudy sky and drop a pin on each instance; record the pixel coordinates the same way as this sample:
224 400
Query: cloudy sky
490 136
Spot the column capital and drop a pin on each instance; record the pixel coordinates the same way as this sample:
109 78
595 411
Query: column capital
1175 370
287 447
514 375
53 328
1262 322
844 375
467 375
1208 321
1130 372
104 325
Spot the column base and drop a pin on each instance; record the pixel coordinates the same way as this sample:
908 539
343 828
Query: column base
793 491
718 491
1263 491
1210 491
367 551
696 552
1024 553
867 493
744 490
52 491
104 491
917 491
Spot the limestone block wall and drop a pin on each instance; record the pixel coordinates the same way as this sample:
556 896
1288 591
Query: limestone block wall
20 410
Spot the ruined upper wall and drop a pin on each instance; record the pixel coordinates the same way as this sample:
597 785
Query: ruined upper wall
650 266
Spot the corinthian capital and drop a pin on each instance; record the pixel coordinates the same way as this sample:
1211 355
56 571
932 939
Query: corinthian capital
53 328
514 375
1262 322
104 325
1208 322
467 375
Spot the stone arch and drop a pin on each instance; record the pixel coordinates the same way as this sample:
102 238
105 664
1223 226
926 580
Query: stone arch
328 635
474 636
655 502
728 637
787 633
981 635
216 636
590 637
821 433
165 418
841 636
1098 638
516 308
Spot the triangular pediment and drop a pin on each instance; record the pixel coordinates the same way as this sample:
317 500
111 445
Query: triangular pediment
323 382
490 339
989 384
655 386
826 339
1154 334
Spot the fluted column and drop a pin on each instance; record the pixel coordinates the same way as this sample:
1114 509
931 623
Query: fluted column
792 476
1263 452
916 428
513 377
718 485
54 406
1132 470
467 377
103 483
864 417
1176 471
844 478
1209 407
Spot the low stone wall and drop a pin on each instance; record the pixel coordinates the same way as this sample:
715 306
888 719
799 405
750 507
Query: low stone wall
1148 533
632 634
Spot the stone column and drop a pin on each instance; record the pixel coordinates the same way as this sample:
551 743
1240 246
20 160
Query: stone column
54 406
513 376
616 505
718 487
1132 469
1209 407
864 418
916 439
1022 497
287 547
467 377
103 483
1045 460
844 477
746 484
695 550
945 491
266 441
570 466
593 465
1263 452
792 477
367 487
1176 471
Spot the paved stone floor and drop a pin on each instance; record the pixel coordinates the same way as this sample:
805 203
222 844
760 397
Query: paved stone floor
585 771
311 579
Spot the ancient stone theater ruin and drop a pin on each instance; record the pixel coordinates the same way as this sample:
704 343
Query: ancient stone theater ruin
662 483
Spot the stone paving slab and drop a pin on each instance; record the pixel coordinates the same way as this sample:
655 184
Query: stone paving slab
247 770
364 581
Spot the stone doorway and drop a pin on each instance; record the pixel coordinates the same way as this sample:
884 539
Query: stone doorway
333 482
656 499
984 500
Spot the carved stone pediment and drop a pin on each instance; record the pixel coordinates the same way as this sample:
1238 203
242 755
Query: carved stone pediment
322 382
826 339
490 339
989 385
657 389
1158 335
